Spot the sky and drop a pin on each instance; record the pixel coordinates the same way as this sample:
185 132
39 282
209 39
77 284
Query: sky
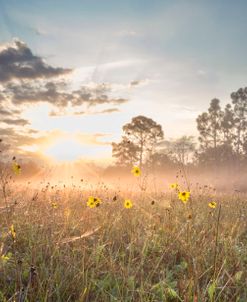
72 73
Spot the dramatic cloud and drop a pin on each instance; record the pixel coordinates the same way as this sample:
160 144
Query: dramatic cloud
18 62
14 140
27 93
26 80
50 92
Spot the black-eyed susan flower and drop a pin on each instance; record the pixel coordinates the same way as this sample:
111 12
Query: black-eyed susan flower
128 204
54 205
136 171
13 232
16 168
93 202
212 204
184 196
97 201
173 186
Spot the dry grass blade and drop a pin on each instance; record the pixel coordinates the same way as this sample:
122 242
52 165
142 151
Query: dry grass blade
13 298
75 238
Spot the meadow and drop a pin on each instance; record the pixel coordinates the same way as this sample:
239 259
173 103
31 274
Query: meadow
57 246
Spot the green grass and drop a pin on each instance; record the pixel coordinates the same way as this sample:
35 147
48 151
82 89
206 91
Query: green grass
166 251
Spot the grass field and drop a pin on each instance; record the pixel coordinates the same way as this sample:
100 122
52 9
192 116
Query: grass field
54 247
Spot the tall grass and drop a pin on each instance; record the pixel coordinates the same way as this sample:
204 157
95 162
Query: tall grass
159 250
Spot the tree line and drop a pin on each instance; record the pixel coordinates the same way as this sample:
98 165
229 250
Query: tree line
222 139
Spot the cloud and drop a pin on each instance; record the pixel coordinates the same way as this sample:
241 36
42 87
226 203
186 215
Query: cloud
26 80
17 122
93 138
58 113
4 112
66 113
2 97
110 110
139 83
51 92
7 132
9 111
119 87
134 83
11 139
27 93
18 62
15 140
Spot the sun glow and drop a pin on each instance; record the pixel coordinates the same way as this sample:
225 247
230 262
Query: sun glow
69 149
66 150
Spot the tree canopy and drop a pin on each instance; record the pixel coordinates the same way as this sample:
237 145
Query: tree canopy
139 141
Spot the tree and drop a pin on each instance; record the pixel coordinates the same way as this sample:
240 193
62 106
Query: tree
239 101
161 160
223 153
181 149
227 125
125 152
139 141
209 125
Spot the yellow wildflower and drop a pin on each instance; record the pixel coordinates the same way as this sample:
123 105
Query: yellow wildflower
184 196
174 186
128 204
93 202
16 168
54 205
5 258
136 171
212 204
13 232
